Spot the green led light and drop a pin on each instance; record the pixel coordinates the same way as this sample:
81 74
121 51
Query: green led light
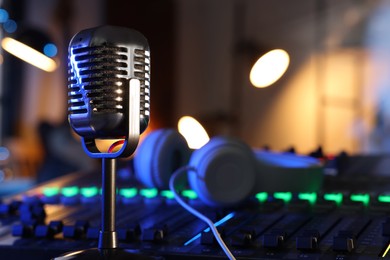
89 192
128 192
70 191
364 198
384 198
262 196
285 196
167 194
336 197
189 194
51 191
149 193
311 197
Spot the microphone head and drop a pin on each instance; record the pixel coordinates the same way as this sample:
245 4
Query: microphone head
101 63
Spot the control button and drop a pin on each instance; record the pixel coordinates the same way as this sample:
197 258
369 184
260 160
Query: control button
308 240
9 208
274 239
56 226
76 231
43 231
32 213
153 234
344 241
48 231
306 243
5 209
244 237
23 230
129 234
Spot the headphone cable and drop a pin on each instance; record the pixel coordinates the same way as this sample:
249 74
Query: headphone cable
172 181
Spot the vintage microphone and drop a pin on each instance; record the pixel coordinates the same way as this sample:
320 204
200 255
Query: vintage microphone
108 99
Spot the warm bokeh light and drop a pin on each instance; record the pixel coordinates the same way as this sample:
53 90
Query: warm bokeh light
269 68
28 54
193 132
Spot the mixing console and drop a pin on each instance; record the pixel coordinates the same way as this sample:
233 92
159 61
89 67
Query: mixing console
64 215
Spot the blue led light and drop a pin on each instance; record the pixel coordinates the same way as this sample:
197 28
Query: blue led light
3 15
50 49
218 223
10 26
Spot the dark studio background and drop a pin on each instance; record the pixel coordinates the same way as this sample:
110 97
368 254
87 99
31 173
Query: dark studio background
333 94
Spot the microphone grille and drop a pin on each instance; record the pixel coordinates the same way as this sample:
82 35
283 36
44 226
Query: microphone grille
142 72
98 80
96 75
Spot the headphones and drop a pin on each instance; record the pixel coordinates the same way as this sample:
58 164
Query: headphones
227 170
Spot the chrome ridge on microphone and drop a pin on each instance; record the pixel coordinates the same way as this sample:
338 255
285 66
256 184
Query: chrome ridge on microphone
109 88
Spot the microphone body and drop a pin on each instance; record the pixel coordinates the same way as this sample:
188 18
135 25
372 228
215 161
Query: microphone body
109 87
108 98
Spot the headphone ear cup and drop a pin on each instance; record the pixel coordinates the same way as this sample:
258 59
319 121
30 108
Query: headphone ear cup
226 172
158 156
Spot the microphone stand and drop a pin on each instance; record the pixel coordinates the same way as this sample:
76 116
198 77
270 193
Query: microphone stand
107 237
108 242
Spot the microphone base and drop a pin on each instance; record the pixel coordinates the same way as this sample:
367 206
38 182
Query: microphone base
106 254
